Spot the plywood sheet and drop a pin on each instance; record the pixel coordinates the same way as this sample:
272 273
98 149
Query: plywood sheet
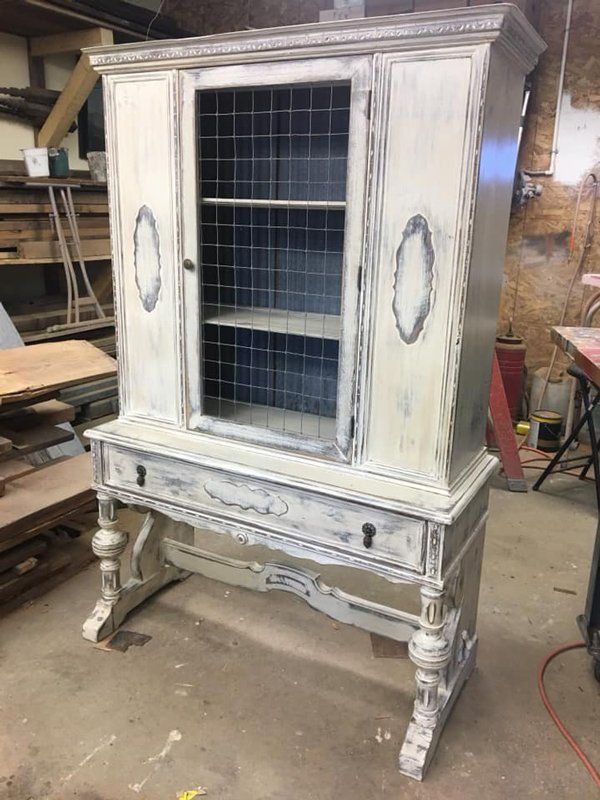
27 372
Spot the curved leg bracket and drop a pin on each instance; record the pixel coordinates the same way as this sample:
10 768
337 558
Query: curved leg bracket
148 570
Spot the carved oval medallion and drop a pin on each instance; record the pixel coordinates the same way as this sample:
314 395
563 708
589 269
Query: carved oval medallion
413 279
146 257
243 496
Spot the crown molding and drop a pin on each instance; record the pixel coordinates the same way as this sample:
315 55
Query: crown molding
482 24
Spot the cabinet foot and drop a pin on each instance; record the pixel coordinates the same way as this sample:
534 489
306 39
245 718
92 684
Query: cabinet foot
422 737
149 573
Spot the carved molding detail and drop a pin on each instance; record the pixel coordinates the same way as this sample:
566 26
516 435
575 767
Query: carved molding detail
146 255
482 23
96 453
433 549
413 279
244 496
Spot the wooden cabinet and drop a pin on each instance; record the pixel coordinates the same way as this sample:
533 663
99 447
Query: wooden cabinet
309 228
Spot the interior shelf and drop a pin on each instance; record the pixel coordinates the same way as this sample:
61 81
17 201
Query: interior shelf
276 320
271 417
334 205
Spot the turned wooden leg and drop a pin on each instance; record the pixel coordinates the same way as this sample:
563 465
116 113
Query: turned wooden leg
429 650
149 572
109 544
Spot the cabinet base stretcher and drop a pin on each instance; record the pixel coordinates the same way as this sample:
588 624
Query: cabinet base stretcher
441 641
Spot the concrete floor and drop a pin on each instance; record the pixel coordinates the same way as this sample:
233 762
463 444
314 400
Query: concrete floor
258 697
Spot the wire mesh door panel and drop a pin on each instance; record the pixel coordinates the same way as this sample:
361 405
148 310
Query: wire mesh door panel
271 205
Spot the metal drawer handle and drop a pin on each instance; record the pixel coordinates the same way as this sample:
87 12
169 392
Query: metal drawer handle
141 475
369 531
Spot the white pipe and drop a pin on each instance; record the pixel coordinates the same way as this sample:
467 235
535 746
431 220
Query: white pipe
561 83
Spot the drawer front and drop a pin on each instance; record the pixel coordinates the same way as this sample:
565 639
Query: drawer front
269 507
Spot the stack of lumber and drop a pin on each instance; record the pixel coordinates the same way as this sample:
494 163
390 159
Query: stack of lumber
28 240
35 499
26 232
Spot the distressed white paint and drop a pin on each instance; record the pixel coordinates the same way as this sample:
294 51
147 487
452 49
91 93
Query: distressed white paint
142 169
420 219
496 170
304 516
428 124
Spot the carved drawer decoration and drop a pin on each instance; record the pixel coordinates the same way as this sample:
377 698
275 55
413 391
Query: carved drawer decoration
342 526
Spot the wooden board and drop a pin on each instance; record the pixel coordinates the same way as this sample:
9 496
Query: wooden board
45 208
49 412
26 372
19 583
40 195
583 345
11 238
43 224
57 564
15 468
38 437
15 262
74 181
42 498
18 554
89 247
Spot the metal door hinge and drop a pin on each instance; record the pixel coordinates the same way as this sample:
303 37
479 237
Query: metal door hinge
369 102
352 426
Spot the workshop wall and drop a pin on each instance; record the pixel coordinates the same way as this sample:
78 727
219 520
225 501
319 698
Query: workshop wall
14 70
538 268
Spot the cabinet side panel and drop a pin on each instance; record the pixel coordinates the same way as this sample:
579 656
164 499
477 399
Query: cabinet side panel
504 96
142 172
428 130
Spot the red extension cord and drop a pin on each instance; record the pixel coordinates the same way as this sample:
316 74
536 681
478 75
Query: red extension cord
540 682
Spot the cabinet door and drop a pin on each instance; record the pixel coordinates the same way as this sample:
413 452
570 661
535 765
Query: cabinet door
140 114
425 175
273 183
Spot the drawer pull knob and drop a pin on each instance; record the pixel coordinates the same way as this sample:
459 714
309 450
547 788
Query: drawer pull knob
188 263
369 531
141 475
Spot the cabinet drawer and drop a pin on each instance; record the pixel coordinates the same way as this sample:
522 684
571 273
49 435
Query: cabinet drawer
304 516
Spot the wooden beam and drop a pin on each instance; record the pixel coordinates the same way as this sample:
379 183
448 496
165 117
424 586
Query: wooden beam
69 42
77 89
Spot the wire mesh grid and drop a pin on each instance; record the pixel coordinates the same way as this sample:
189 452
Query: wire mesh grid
272 172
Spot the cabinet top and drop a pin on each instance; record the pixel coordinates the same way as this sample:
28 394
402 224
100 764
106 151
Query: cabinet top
502 23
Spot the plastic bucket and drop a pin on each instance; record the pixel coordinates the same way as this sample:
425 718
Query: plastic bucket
36 161
97 165
58 158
